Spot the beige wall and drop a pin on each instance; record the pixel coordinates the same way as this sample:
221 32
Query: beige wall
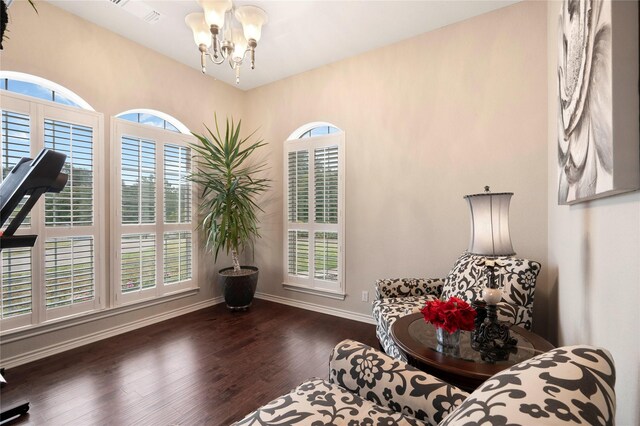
113 75
427 121
594 254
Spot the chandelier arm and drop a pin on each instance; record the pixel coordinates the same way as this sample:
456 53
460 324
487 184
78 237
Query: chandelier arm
218 61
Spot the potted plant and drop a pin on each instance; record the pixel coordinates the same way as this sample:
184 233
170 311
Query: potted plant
231 181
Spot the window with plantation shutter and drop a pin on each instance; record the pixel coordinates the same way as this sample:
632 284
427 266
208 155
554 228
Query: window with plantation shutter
71 238
154 251
314 184
62 275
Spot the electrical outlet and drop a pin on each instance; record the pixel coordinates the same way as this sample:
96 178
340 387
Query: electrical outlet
365 296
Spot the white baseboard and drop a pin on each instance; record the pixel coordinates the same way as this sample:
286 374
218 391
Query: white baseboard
104 334
356 316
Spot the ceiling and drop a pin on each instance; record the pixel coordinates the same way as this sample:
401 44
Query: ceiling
300 35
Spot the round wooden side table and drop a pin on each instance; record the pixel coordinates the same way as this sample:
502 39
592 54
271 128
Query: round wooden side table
464 368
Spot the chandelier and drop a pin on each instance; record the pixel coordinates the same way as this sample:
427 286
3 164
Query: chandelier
220 38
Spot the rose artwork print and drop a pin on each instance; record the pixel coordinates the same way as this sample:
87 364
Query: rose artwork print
585 113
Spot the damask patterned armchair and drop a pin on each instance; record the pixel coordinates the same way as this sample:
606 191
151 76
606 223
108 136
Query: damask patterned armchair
565 386
398 297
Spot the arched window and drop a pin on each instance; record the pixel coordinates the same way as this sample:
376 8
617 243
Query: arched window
154 118
155 246
62 274
319 131
314 224
38 87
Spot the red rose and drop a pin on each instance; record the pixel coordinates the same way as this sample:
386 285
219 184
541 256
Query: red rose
467 318
454 314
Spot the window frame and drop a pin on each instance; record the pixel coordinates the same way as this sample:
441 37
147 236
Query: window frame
312 285
119 128
38 111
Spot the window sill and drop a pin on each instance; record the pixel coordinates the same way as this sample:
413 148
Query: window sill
71 321
338 295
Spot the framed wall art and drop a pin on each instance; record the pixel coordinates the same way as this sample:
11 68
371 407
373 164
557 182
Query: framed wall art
598 114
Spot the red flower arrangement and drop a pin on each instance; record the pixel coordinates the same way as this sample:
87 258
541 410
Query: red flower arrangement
454 314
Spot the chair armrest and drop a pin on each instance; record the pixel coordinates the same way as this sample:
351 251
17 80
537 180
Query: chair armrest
401 287
383 380
571 385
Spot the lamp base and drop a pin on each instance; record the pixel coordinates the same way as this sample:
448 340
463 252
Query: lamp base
492 338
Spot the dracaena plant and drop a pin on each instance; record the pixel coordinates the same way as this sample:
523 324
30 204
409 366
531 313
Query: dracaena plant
231 181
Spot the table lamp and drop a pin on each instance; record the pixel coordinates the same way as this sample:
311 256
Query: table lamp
490 238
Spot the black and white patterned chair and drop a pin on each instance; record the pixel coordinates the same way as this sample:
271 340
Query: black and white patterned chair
565 386
402 296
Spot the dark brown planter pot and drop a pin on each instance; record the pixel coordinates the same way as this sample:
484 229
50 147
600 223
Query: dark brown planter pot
238 290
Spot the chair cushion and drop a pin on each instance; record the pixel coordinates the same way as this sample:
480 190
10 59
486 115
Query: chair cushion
467 279
318 402
568 385
387 311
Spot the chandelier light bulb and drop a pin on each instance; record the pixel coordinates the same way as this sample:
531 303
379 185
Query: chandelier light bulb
201 34
215 11
252 19
240 45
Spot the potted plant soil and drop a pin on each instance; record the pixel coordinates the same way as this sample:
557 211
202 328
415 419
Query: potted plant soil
231 181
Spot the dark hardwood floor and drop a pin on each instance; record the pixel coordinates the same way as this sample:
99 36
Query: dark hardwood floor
208 367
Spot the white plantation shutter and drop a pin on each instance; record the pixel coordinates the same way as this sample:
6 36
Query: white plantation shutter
69 271
298 253
153 224
71 255
177 190
138 270
138 181
15 274
16 139
298 186
314 225
16 144
326 256
326 184
177 257
74 204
